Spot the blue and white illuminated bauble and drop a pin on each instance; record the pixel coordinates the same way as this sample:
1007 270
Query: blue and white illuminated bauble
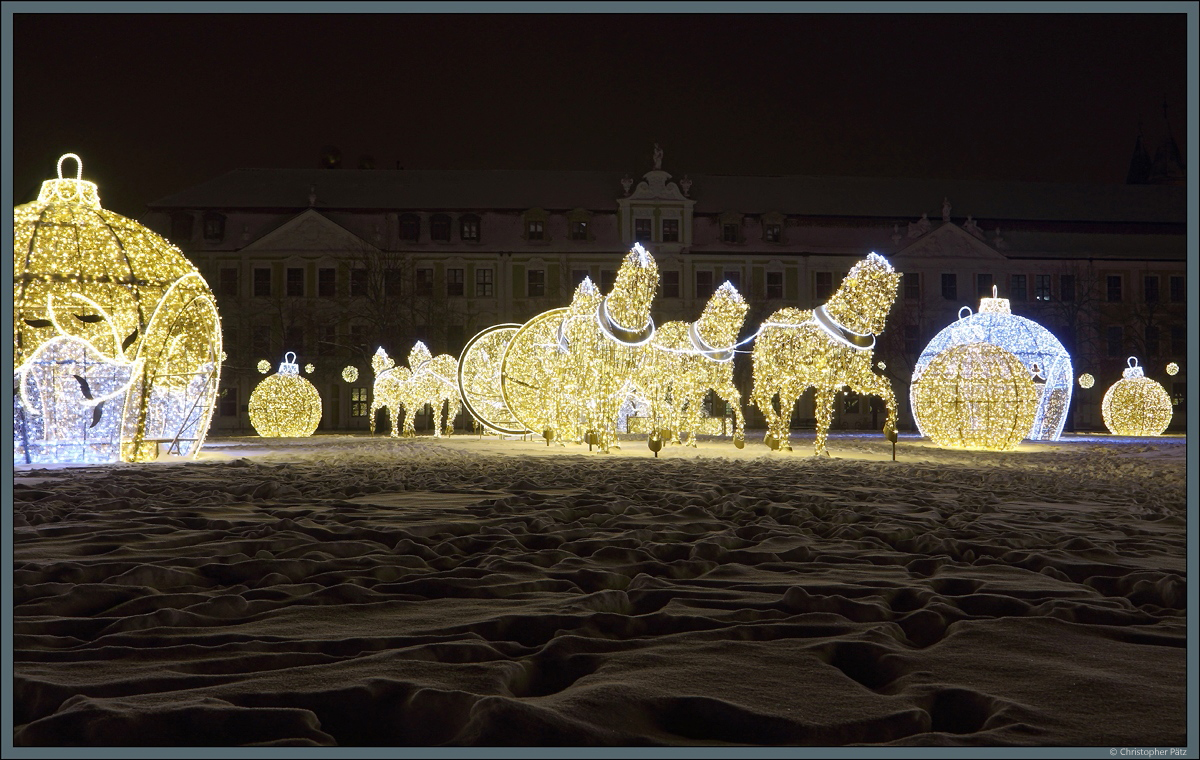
1048 362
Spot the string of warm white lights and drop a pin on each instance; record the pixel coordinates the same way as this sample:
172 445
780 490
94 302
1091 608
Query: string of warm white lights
121 308
829 351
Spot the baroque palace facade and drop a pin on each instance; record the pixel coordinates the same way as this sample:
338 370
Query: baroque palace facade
333 263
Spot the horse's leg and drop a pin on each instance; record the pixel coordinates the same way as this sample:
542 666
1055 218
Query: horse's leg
374 408
878 385
824 410
732 397
695 405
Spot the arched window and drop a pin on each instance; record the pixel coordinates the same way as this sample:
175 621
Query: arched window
214 227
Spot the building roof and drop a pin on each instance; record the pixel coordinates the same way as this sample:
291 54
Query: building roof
871 197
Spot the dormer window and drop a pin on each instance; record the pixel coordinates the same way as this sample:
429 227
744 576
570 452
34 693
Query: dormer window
729 233
579 231
214 227
439 227
642 230
535 229
773 233
410 228
468 228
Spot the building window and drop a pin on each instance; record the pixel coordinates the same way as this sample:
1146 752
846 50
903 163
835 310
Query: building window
393 283
229 401
536 281
822 285
439 227
1178 290
1179 341
423 282
1017 290
483 283
1066 287
950 287
1115 339
1151 290
608 278
1114 287
359 403
468 228
729 233
912 342
293 339
912 286
410 228
704 283
1041 286
358 337
774 285
734 278
456 282
670 230
229 281
1152 346
579 230
1178 393
326 282
535 230
260 340
295 281
773 233
214 228
670 284
181 227
642 230
262 282
983 285
358 282
850 403
327 345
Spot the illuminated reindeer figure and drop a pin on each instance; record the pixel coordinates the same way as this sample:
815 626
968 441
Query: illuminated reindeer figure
828 348
427 379
687 360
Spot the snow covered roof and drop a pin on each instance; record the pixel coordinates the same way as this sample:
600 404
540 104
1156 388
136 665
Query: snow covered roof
599 191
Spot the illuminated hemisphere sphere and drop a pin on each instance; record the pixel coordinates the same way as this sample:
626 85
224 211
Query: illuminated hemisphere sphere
116 336
479 368
285 405
1136 405
1032 344
975 396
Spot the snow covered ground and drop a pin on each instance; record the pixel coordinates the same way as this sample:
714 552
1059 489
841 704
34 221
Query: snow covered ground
358 590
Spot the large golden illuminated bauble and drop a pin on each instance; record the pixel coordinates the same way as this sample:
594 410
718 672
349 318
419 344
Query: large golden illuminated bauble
976 396
84 275
1136 405
285 405
479 368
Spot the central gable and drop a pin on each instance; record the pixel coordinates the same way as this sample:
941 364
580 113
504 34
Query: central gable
948 241
308 231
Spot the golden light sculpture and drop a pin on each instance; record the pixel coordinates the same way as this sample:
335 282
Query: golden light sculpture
264 366
309 369
976 396
1172 369
686 360
479 368
350 373
828 348
285 405
1135 404
529 378
427 380
116 335
1086 380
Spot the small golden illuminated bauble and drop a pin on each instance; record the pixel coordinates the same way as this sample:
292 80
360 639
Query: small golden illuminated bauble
1172 369
1086 380
975 396
1136 405
98 296
285 405
264 366
350 373
881 365
309 369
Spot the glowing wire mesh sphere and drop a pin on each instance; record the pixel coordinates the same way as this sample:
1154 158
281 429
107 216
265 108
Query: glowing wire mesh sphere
119 306
528 373
285 405
975 396
263 366
1086 380
1172 369
1032 344
1136 405
350 373
479 368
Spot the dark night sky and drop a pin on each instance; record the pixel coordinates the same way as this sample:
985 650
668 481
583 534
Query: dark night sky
156 103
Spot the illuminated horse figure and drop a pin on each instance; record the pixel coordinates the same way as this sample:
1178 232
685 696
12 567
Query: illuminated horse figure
427 379
689 359
828 348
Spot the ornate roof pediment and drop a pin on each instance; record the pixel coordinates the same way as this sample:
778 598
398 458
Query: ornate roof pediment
948 241
655 187
308 231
